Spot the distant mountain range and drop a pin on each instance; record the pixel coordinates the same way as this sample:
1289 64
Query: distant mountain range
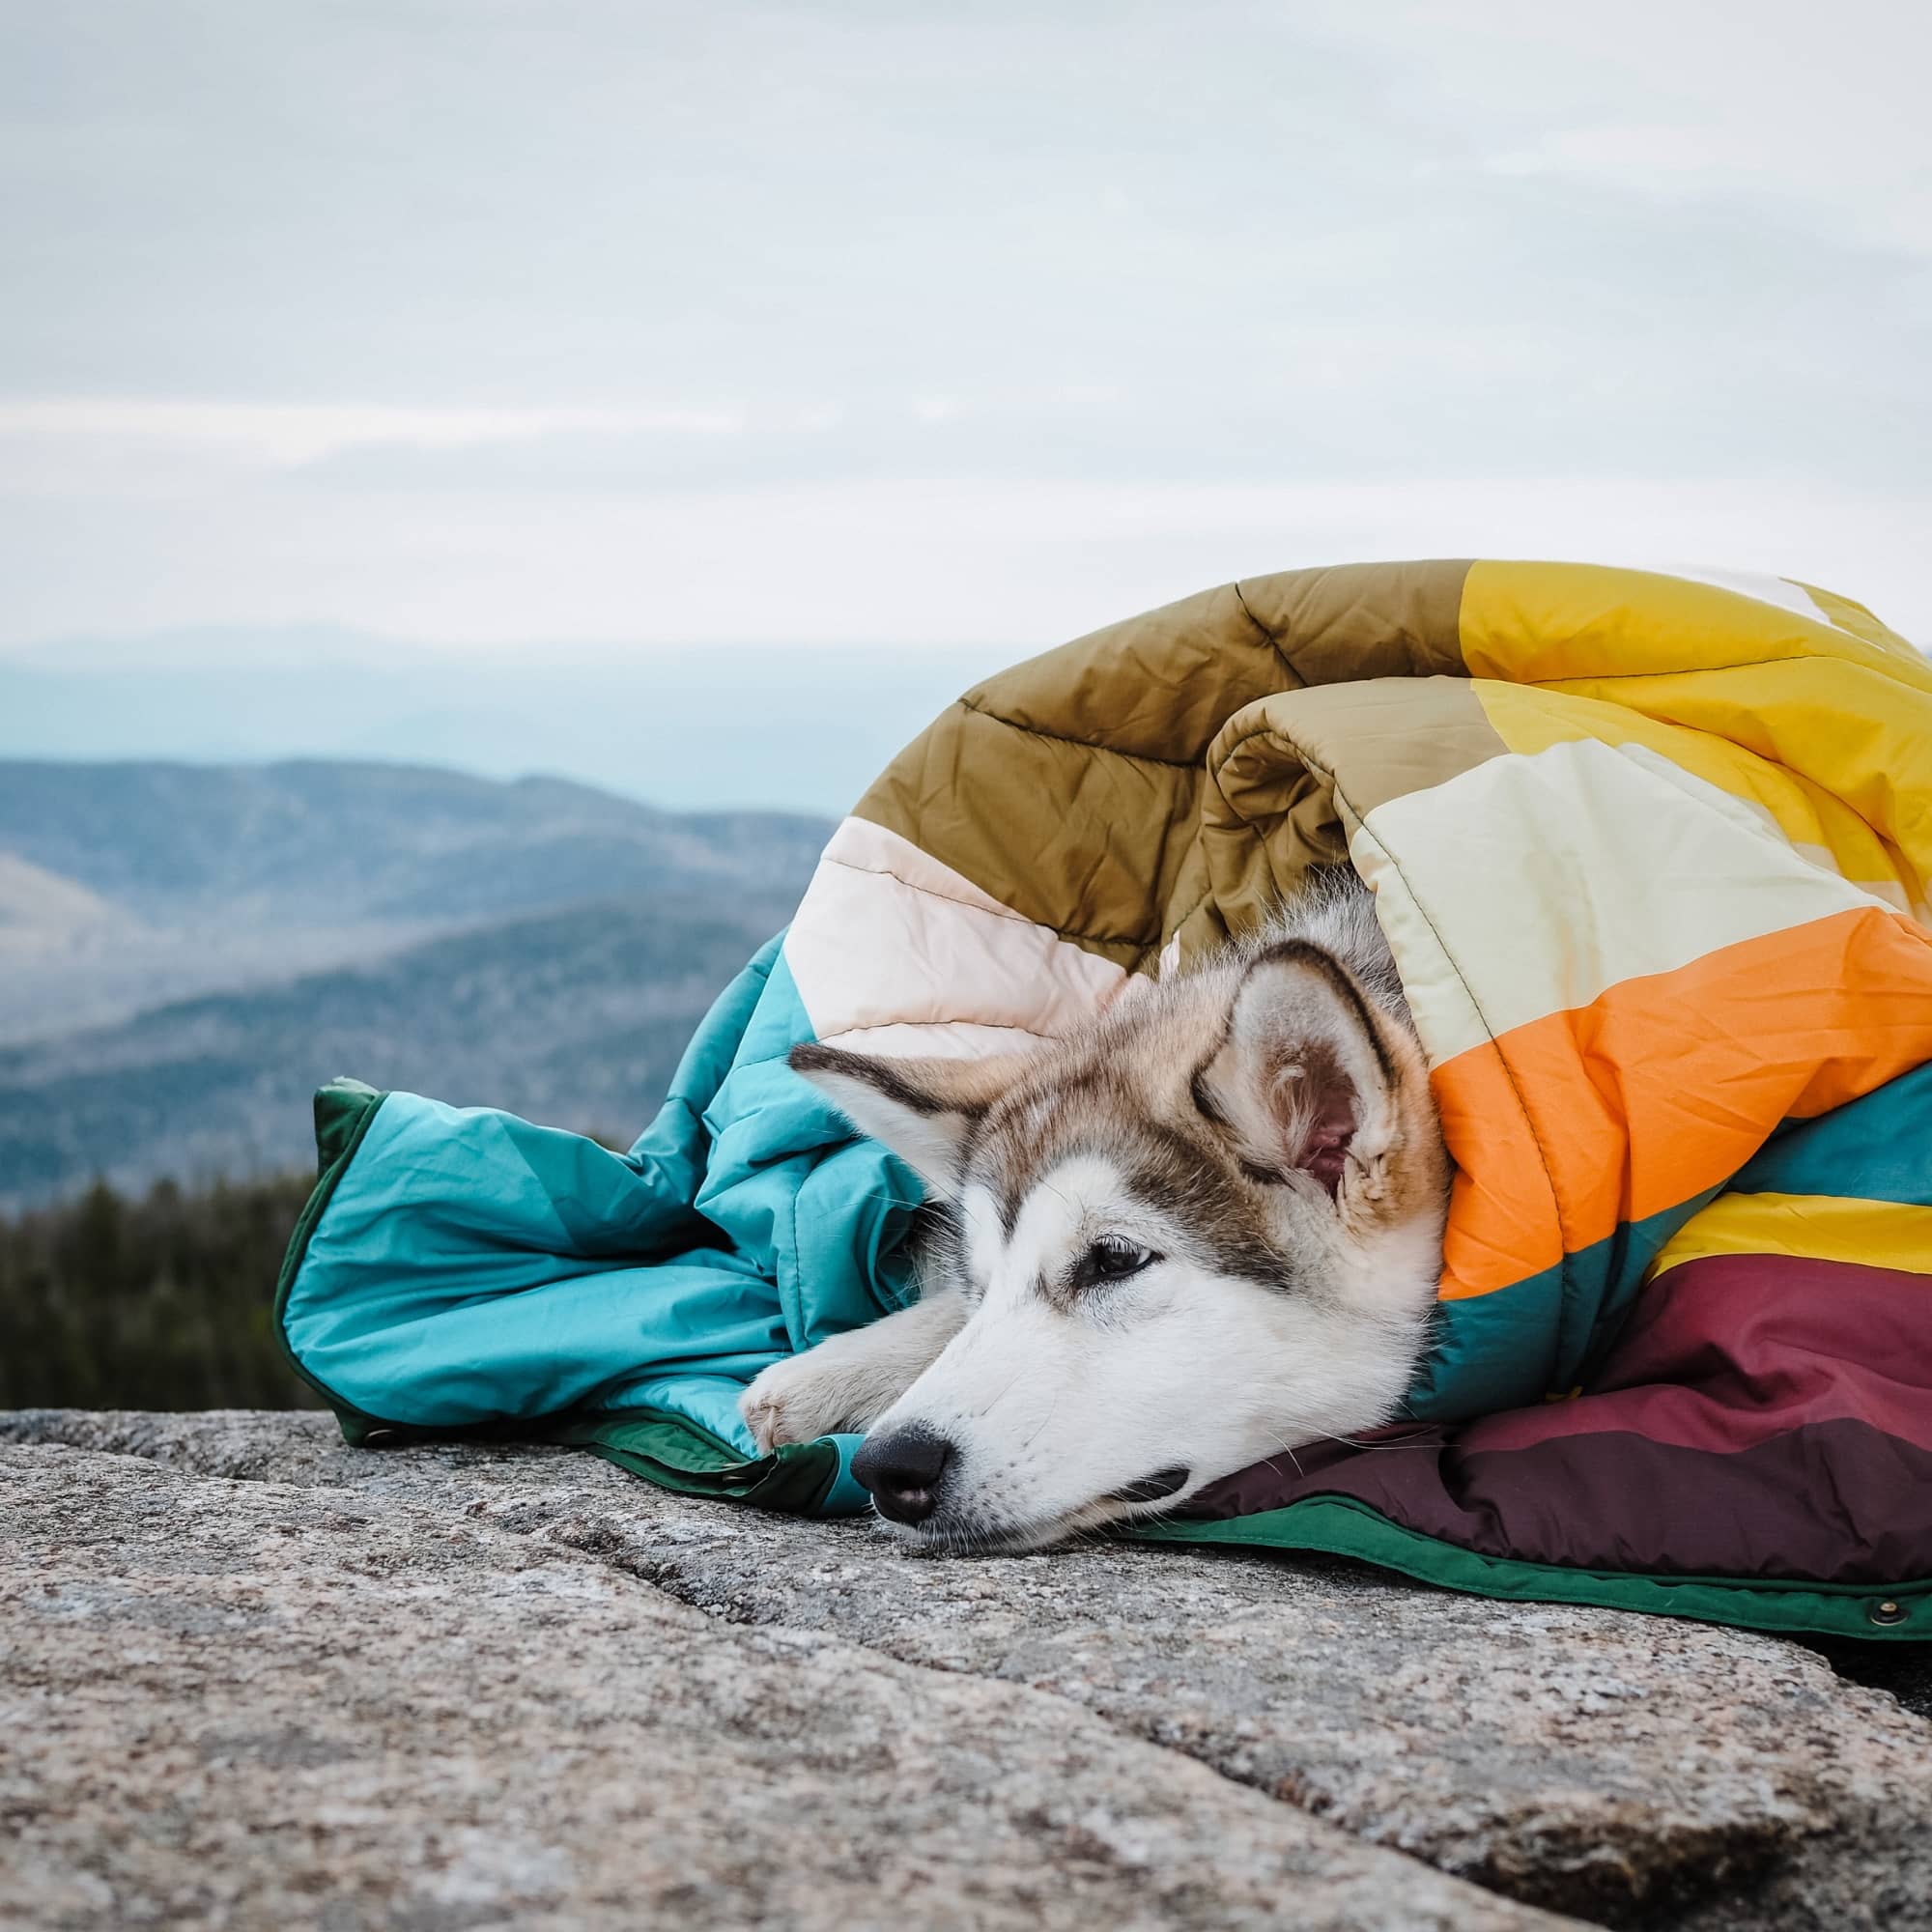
804 728
186 951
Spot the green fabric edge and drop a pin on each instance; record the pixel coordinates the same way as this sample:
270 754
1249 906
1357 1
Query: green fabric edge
676 1453
1344 1526
345 1110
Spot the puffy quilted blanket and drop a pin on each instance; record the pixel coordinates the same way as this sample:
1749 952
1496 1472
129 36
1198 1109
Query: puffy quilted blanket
1652 854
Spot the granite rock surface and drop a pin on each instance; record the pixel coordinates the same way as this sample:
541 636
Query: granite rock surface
251 1676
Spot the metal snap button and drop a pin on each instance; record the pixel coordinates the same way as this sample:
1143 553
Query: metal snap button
1885 1612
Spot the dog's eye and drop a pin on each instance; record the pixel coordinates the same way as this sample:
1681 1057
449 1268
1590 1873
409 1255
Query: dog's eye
1112 1258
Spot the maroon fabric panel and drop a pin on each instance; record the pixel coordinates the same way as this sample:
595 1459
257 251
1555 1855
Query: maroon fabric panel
1762 1416
1733 1350
1835 1502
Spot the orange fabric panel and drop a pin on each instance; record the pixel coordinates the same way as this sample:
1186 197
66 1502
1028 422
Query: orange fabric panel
1665 1085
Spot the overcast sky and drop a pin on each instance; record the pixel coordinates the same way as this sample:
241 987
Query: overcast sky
507 322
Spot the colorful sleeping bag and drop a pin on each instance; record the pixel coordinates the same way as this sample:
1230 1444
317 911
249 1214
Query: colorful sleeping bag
1652 854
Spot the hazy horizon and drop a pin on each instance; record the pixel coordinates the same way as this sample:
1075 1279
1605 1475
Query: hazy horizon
647 727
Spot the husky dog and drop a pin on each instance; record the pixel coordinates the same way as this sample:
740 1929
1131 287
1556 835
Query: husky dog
1203 1228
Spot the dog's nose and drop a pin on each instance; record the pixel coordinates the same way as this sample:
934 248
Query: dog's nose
904 1472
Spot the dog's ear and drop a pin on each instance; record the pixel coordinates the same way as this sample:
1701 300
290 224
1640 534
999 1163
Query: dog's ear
1302 1078
922 1109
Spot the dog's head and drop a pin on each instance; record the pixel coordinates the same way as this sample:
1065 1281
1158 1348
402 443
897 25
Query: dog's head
1205 1230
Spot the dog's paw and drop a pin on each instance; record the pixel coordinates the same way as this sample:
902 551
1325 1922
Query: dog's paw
793 1401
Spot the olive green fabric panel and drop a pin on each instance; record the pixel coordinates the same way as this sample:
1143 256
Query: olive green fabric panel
1271 809
1266 816
1363 620
1374 742
1093 843
1159 685
1194 920
1071 787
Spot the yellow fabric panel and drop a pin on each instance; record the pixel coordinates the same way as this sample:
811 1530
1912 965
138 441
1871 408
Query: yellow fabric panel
1821 1227
1849 717
1537 623
1849 614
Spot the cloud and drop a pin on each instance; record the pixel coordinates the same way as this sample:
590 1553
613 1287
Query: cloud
290 434
848 321
1812 122
1751 165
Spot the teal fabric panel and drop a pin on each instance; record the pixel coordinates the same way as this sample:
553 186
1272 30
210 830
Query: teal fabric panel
1872 1148
471 1267
1539 1337
846 1496
457 1276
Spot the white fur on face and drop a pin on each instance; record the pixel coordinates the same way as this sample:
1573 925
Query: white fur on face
1054 1397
